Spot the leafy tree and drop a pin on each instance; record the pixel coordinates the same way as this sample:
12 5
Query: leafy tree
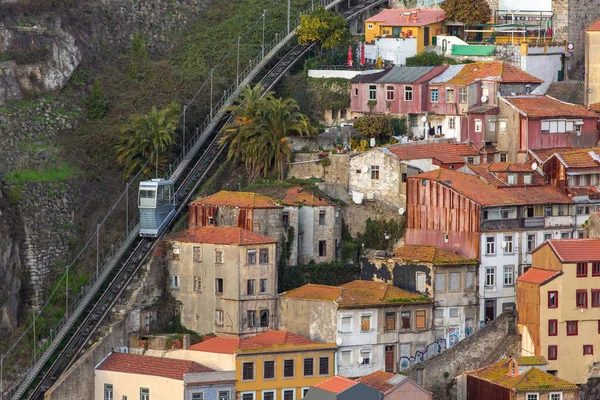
467 11
374 125
97 103
325 28
143 135
381 234
257 137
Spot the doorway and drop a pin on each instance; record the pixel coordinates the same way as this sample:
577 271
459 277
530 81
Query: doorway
389 357
426 36
490 310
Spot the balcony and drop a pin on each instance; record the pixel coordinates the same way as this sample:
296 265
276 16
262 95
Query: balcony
534 222
514 224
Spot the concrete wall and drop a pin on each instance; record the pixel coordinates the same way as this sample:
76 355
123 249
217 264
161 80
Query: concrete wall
394 50
309 318
333 73
130 384
543 66
336 172
216 361
355 215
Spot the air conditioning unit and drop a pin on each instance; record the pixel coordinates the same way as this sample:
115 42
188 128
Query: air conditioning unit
122 349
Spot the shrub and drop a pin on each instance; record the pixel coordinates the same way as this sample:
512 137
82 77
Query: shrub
97 104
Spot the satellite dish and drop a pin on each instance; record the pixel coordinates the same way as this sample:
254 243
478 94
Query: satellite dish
534 166
503 244
360 359
365 169
484 98
423 119
401 211
338 341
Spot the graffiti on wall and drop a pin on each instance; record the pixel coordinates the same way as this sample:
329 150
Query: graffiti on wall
432 349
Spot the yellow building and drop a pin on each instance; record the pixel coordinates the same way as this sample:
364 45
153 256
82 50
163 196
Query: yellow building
423 24
274 364
592 63
558 301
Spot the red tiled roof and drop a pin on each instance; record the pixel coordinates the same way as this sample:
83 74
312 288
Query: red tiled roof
396 17
583 191
579 157
297 195
538 276
220 235
154 366
496 173
336 384
237 199
543 154
493 71
535 106
485 194
357 294
378 380
595 26
431 254
575 250
448 153
227 345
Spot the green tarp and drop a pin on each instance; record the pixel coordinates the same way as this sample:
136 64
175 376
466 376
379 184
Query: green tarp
472 50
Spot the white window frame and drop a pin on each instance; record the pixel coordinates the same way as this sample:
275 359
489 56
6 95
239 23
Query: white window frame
293 390
175 281
274 392
490 272
509 244
200 392
144 396
342 323
219 392
342 352
502 125
510 270
490 246
306 388
369 26
219 317
451 123
560 396
253 393
370 351
372 92
478 125
197 283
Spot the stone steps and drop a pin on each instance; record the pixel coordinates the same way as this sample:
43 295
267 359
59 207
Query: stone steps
563 91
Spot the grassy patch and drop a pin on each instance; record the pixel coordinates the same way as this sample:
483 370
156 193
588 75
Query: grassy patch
59 173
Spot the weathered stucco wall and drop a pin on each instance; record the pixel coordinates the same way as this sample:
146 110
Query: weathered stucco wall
306 317
387 185
355 215
307 165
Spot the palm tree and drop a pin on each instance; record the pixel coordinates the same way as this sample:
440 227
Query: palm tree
146 136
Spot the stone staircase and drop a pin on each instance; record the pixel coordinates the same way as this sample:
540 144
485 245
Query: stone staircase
566 90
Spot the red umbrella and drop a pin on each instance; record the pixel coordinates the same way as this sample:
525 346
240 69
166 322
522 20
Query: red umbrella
362 54
349 56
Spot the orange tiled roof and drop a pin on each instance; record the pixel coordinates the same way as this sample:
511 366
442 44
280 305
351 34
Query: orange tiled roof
237 199
595 26
493 71
432 254
535 106
357 294
449 153
575 250
378 380
154 366
395 17
336 384
496 173
542 155
297 195
227 345
579 157
488 195
220 235
533 379
584 191
538 276
596 106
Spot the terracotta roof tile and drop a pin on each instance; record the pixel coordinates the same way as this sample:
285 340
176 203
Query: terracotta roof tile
531 360
575 250
227 345
496 174
220 235
378 380
431 254
297 195
312 291
222 345
537 276
336 384
595 26
493 71
535 106
154 366
395 17
584 191
237 199
488 195
578 157
448 153
532 379
542 155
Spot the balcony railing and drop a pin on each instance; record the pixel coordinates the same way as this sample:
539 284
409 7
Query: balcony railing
534 222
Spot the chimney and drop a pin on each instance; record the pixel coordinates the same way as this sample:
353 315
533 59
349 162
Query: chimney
186 341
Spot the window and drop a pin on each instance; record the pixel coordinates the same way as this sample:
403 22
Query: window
264 318
449 95
322 214
582 269
223 394
508 248
309 366
533 396
552 352
251 318
503 129
263 286
588 349
356 91
108 392
451 123
454 285
509 275
219 317
420 280
366 356
288 368
470 160
346 357
530 243
502 156
197 250
174 281
144 394
197 283
219 285
490 276
595 297
285 218
346 324
211 221
552 327
470 280
198 396
247 395
438 313
553 299
462 95
268 395
478 125
556 396
218 257
440 282
251 257
434 95
405 317
369 26
389 93
374 171
175 250
420 316
322 248
408 93
511 179
572 328
365 323
289 394
453 312
390 321
251 286
248 371
490 245
323 365
595 268
263 256
372 92
547 236
304 391
565 235
581 298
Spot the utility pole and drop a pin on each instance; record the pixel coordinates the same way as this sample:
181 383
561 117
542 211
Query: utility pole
237 65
